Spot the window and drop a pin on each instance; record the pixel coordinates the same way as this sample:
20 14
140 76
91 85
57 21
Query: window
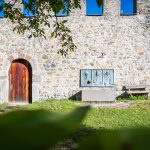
128 7
92 8
96 77
29 8
1 8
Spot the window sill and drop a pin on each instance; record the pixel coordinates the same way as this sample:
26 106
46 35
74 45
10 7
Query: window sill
109 86
128 14
94 15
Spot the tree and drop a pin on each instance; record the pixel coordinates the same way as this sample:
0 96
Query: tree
44 13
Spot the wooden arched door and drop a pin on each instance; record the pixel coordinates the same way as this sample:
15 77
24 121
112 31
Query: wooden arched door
19 82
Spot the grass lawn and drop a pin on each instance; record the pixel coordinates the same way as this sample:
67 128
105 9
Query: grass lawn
137 115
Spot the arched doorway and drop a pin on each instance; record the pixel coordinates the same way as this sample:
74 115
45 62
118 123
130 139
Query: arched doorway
20 81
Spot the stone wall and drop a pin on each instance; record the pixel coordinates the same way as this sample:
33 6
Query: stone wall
123 39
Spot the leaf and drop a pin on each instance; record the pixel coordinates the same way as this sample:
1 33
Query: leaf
52 34
30 36
99 2
101 140
64 21
39 130
125 139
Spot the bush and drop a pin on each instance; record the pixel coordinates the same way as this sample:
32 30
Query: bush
135 97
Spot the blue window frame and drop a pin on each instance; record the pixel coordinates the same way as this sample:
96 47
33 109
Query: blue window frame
128 7
2 8
96 77
27 11
92 8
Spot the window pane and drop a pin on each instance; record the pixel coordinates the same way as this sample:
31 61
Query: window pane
28 11
108 77
1 8
86 77
97 78
62 12
92 8
128 6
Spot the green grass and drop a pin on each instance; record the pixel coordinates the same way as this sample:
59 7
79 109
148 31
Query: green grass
62 106
2 105
137 115
135 97
117 118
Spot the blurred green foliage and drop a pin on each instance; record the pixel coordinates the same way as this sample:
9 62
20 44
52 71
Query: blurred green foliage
127 139
37 130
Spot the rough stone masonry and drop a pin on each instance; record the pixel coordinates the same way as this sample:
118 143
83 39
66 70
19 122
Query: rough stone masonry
125 41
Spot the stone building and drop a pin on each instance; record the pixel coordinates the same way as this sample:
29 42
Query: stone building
111 41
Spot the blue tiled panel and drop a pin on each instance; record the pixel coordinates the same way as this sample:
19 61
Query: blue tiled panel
2 10
108 77
86 77
128 7
92 8
97 78
26 11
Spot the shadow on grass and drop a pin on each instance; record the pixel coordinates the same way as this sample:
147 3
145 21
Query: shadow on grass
73 141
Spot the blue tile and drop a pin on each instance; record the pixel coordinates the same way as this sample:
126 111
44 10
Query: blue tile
92 8
2 10
97 78
86 77
128 7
